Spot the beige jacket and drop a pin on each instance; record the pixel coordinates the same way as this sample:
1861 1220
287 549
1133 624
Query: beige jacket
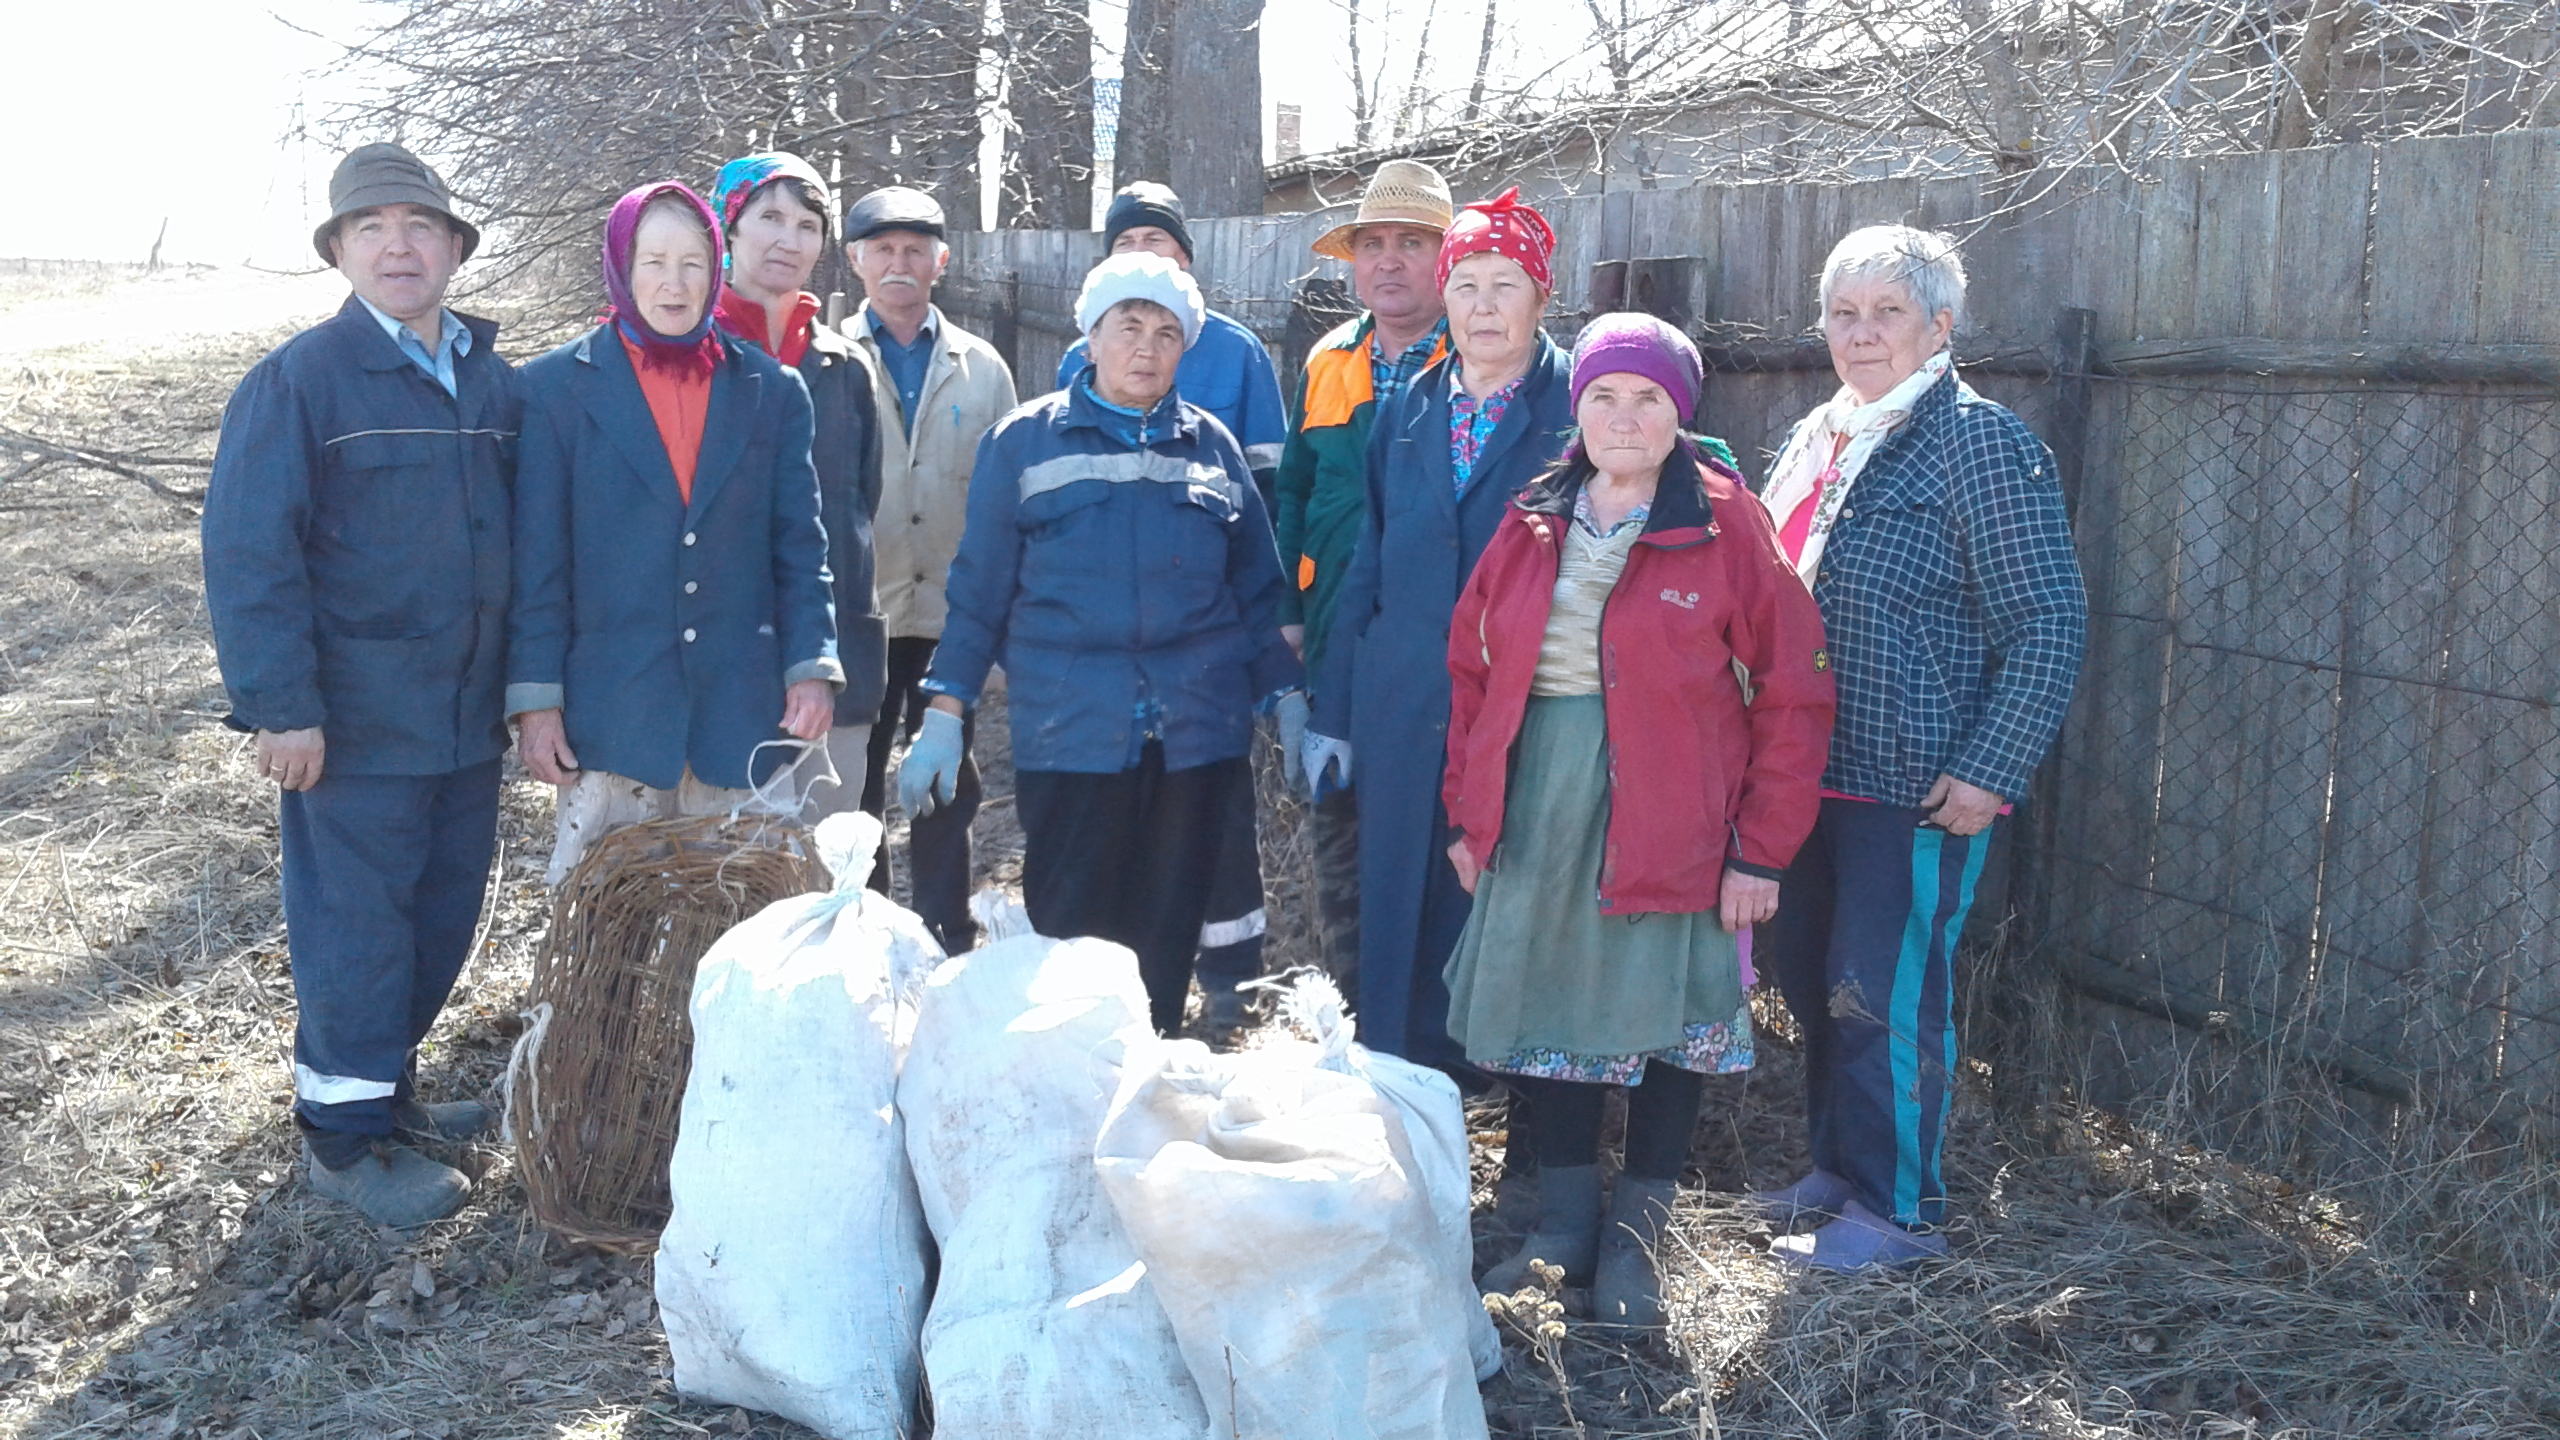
924 479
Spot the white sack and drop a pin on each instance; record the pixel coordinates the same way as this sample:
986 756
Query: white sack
1044 1325
1302 1210
791 1276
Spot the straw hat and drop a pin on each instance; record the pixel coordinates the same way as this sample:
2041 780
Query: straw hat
1403 192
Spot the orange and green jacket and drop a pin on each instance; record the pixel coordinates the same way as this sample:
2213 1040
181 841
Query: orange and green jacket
1322 482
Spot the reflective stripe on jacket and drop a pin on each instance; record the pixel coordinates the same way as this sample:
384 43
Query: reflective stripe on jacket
356 563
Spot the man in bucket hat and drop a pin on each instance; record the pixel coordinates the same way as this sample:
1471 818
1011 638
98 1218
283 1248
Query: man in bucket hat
1393 246
356 569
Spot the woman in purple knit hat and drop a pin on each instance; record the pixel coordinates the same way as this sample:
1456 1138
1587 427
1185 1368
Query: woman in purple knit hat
1638 716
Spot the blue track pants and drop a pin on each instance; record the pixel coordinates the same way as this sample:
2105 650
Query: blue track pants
1863 949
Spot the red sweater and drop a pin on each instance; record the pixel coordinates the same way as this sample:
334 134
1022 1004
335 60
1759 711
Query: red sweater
1698 779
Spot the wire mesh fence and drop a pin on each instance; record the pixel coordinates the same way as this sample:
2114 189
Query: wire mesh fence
2310 792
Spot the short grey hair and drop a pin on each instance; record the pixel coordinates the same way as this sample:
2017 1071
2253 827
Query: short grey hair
1925 261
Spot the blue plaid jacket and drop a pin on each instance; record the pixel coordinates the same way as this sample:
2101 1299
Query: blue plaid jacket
1953 606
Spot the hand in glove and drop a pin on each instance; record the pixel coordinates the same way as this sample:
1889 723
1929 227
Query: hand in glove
930 775
1291 712
1316 752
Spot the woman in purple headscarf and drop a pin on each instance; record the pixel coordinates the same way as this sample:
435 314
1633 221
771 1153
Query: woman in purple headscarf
672 613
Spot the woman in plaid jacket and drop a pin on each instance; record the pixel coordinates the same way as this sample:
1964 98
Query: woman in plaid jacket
1928 524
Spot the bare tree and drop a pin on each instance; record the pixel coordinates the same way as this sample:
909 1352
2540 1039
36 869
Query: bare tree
1214 109
1048 172
540 112
1144 148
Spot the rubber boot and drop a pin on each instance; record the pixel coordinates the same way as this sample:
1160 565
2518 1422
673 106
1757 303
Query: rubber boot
1515 1195
1567 1232
446 1123
1222 1018
1814 1200
1626 1289
392 1184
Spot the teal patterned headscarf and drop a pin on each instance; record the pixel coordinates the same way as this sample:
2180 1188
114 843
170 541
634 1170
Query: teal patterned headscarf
741 178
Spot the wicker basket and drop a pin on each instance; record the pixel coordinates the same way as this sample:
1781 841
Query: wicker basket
596 1081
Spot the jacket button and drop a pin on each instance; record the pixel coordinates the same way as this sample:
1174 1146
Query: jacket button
915 519
1848 514
688 634
688 537
692 585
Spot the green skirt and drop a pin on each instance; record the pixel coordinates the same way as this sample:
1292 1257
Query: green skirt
1542 982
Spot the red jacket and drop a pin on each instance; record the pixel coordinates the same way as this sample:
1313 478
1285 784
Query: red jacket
1699 778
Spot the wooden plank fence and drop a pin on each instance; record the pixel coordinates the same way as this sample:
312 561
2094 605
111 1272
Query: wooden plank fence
2307 406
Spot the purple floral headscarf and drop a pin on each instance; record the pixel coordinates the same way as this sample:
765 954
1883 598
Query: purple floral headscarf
698 347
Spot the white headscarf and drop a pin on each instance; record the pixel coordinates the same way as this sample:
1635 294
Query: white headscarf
1864 425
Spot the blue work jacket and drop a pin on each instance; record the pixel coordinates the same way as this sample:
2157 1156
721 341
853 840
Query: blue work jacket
1112 579
1952 604
355 548
667 630
1384 683
1227 373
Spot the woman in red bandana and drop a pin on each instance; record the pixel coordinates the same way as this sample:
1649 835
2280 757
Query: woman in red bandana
672 609
1445 458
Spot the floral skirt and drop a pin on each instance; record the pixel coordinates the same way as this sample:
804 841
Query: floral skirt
1544 983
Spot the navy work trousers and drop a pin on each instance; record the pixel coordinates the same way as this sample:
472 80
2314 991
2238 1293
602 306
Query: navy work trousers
1863 949
383 878
938 844
1231 939
1127 856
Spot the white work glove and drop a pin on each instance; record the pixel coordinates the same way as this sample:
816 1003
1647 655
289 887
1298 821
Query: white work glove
1291 712
1315 752
930 775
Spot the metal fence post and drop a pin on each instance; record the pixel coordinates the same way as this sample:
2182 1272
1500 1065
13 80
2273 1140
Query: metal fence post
2075 351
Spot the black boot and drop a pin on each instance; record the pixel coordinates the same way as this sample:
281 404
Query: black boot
1567 1232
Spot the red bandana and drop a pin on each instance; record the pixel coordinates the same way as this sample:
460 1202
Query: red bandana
1506 227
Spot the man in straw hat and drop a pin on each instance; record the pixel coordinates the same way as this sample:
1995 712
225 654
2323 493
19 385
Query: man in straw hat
1392 245
356 568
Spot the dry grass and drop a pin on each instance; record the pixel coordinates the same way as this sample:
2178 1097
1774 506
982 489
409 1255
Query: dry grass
162 1274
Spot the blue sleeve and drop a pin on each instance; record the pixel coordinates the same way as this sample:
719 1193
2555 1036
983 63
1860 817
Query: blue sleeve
1254 574
803 588
1357 602
257 591
538 616
1265 432
1070 363
983 575
2008 513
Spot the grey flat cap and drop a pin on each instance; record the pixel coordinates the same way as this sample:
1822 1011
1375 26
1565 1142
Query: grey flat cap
386 174
893 207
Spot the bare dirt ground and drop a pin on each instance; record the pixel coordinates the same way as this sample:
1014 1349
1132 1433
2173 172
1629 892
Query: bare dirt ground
162 1274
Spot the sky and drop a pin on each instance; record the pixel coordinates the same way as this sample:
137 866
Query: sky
200 124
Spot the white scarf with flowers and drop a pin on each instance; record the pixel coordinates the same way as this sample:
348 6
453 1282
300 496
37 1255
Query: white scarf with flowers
1831 447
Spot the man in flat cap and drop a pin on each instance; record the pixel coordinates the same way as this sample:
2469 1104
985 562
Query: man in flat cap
356 569
938 390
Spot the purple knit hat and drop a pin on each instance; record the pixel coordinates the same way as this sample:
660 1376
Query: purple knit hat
621 228
1629 343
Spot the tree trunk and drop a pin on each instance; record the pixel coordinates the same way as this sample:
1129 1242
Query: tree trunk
1143 151
1215 107
2014 142
1484 62
2318 62
1048 172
